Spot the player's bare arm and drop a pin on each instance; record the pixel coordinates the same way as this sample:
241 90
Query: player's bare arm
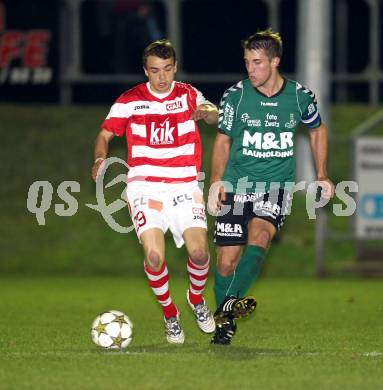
101 147
220 157
207 112
319 145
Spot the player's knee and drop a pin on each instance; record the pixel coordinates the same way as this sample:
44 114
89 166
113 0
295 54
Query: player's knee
226 267
263 239
199 256
154 261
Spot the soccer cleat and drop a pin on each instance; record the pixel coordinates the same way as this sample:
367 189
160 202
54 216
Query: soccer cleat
203 315
173 330
224 331
233 307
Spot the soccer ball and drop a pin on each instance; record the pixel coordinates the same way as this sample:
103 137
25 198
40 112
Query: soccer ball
112 329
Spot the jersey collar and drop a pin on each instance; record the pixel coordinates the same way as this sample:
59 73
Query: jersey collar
160 95
276 94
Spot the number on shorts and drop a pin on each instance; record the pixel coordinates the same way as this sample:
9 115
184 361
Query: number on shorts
140 219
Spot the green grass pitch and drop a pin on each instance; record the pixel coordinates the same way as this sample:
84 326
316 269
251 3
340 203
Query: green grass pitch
305 334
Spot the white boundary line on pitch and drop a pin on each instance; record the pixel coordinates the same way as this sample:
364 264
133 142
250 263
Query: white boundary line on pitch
127 352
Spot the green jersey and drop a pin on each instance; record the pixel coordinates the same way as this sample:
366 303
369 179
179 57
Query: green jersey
262 130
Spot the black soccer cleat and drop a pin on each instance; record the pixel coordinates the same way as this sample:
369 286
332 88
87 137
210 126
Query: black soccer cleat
224 331
233 307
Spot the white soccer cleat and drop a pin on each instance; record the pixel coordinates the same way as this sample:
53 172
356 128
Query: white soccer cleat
173 330
204 317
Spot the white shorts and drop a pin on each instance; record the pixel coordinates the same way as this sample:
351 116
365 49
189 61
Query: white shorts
175 206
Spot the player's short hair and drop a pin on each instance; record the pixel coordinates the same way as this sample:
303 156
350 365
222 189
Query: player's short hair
268 40
161 48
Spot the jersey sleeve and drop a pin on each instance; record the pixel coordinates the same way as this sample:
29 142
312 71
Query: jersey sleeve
308 107
200 99
118 117
226 114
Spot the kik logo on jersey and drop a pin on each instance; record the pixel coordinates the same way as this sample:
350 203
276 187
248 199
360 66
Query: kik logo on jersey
162 132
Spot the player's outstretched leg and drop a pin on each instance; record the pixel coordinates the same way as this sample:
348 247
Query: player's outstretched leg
159 282
230 309
198 275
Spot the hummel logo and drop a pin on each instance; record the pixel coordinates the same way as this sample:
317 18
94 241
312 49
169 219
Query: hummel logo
272 104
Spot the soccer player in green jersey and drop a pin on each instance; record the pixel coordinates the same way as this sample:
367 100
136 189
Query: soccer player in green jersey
253 172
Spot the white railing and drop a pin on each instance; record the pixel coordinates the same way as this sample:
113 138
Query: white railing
70 51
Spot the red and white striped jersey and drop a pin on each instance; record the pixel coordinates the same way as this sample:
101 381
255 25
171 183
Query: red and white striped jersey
164 145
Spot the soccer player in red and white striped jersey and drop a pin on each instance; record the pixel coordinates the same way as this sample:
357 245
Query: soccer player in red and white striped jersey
159 120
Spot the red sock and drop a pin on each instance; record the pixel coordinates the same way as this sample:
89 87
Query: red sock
158 281
198 276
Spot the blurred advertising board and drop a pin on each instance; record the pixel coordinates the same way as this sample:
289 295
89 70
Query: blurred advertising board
28 50
369 176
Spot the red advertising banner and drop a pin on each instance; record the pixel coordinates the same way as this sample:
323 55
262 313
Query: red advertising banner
27 61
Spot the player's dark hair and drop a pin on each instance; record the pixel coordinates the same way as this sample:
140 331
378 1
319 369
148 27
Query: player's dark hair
268 40
161 48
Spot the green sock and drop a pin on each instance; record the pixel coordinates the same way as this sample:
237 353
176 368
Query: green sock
221 285
247 270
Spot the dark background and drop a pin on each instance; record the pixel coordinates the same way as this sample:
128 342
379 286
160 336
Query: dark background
113 34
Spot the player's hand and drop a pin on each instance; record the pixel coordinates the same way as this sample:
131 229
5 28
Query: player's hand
97 167
216 197
199 114
328 188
